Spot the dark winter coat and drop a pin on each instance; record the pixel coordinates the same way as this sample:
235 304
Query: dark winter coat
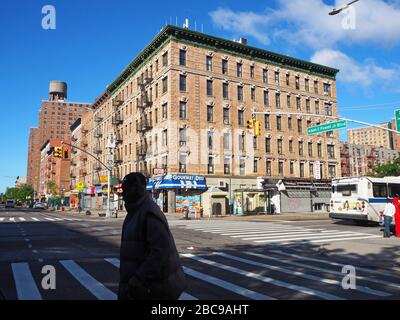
149 261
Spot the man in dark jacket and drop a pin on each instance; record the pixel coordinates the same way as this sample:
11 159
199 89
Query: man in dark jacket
150 267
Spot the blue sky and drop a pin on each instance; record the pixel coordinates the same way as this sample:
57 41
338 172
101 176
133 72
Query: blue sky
94 40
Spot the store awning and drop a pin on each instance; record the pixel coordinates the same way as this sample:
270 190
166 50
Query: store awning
177 181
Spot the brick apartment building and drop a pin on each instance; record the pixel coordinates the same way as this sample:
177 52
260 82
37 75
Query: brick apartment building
55 117
372 136
178 113
360 160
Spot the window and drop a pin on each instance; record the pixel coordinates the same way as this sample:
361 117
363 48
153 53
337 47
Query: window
182 110
301 170
280 168
287 79
227 165
239 68
252 72
210 139
348 189
394 189
209 63
299 126
316 106
209 87
165 85
297 83
307 84
291 167
267 122
278 100
165 59
182 163
241 142
164 161
182 57
279 123
332 171
280 146
276 77
226 115
241 117
300 148
289 122
157 65
319 150
327 89
210 113
210 164
225 91
224 66
226 140
164 111
331 151
291 146
240 93
328 109
288 101
311 169
182 82
315 86
308 107
268 166
255 166
265 75
298 103
164 138
310 149
255 140
242 167
266 98
268 145
253 94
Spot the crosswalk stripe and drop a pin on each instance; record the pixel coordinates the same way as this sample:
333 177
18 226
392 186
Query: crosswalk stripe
12 219
239 234
58 219
241 229
116 263
305 238
280 260
22 219
90 283
1 219
35 219
351 238
24 282
226 285
249 230
279 283
50 219
295 235
336 264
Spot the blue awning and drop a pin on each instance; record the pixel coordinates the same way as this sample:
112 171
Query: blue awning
177 181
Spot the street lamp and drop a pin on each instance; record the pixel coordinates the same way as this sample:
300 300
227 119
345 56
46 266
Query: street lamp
337 11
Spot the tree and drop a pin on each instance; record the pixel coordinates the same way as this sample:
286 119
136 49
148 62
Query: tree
388 169
21 194
52 188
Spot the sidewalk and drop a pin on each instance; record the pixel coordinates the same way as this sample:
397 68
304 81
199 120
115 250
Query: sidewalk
94 214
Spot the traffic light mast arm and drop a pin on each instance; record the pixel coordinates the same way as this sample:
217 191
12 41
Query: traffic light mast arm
88 153
324 116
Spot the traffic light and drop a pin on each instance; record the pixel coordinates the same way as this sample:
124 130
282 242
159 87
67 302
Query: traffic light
257 128
250 124
58 152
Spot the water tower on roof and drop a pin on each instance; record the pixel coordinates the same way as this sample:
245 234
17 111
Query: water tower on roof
57 90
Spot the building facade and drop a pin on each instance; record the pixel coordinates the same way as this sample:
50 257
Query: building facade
33 159
372 136
181 109
360 160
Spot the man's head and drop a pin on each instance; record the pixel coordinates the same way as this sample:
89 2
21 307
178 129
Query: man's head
133 187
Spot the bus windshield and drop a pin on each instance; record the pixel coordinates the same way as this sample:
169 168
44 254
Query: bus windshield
346 190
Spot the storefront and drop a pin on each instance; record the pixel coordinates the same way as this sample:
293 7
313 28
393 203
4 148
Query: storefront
173 192
250 201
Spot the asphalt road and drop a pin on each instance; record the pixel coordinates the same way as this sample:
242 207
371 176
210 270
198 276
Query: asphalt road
234 260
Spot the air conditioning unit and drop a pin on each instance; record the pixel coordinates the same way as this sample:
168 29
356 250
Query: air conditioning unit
222 184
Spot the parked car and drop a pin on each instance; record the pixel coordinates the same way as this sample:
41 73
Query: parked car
40 205
10 203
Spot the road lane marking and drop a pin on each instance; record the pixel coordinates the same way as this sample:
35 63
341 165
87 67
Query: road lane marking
1 219
58 219
272 281
280 260
307 238
294 235
12 219
351 238
22 219
238 234
35 219
50 219
90 283
24 282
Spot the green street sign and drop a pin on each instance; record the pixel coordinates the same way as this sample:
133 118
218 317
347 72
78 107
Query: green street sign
397 116
327 127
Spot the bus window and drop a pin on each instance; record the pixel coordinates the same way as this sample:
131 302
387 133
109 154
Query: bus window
346 190
380 190
394 189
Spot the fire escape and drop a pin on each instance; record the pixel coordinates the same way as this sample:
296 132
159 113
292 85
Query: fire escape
143 124
371 160
116 122
345 161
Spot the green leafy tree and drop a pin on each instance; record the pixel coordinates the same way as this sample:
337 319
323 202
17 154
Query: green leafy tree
21 194
388 169
52 188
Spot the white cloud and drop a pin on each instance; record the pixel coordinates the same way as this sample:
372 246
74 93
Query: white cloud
364 74
308 23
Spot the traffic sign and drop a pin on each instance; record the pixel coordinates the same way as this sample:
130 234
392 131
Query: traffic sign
327 127
80 186
397 116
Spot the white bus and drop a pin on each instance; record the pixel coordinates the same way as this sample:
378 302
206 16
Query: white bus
362 198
